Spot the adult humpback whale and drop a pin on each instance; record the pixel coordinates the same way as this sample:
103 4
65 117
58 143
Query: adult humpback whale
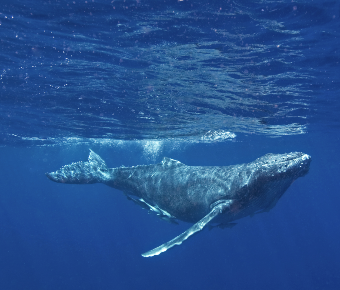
196 194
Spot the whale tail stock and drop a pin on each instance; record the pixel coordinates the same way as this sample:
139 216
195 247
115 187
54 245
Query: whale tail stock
92 171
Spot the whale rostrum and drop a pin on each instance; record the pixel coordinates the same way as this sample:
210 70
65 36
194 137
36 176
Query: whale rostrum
214 195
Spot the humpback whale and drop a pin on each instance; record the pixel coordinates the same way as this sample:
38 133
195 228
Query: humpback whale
214 195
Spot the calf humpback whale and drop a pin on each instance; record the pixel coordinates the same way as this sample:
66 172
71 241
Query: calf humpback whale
215 195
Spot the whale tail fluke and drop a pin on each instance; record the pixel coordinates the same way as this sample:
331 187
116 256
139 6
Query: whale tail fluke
92 171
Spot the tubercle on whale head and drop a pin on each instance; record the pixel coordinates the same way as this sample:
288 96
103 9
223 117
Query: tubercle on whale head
294 164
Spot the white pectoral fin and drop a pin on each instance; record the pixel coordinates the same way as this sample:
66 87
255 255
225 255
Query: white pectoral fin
219 208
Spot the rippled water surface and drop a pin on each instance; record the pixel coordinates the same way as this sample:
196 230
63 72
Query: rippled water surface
166 69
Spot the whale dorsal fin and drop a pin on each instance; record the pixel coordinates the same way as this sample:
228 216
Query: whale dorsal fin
168 162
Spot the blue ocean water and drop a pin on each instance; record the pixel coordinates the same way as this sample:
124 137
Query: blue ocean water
203 82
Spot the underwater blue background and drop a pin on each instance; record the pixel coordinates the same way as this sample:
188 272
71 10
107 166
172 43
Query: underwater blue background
267 80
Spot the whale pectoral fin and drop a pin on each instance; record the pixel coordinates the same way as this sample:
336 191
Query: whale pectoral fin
162 214
219 208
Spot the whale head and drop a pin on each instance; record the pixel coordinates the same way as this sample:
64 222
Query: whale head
277 166
273 174
261 183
